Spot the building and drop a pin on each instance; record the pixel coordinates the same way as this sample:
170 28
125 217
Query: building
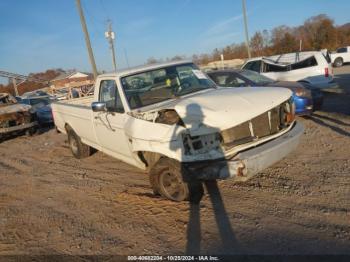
72 79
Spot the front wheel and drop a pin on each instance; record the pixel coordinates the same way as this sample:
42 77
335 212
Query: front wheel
338 62
170 179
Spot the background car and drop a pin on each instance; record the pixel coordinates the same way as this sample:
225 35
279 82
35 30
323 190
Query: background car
42 108
341 56
314 67
36 93
15 118
302 95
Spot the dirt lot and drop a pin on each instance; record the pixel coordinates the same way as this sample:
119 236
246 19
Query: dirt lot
51 203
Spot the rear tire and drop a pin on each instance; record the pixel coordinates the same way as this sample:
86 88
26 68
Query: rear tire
170 179
78 148
338 62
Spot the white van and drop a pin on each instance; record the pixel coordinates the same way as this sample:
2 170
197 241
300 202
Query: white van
311 67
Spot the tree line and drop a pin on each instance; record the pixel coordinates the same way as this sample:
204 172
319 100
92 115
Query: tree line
317 32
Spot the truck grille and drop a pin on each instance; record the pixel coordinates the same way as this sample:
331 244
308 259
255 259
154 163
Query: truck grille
266 124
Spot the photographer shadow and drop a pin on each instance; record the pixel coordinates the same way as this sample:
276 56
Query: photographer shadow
228 245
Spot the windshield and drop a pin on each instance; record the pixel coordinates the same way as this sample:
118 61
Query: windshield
39 102
256 77
164 83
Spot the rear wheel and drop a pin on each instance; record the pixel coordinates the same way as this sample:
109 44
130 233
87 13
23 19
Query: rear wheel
78 148
338 62
167 179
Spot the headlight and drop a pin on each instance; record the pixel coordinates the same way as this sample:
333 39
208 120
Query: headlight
302 92
168 117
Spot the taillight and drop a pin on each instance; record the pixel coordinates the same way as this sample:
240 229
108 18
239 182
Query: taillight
326 74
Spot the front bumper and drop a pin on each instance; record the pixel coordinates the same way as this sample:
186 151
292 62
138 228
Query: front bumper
11 129
250 162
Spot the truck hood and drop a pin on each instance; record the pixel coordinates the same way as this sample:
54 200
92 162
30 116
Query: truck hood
222 108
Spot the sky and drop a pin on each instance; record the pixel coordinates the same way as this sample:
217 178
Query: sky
42 34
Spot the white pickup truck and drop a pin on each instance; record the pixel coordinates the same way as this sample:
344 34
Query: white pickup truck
170 120
341 56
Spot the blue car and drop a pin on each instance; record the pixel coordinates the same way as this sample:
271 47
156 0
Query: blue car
303 105
42 107
305 97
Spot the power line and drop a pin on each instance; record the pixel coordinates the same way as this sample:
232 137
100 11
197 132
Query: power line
96 28
126 57
104 9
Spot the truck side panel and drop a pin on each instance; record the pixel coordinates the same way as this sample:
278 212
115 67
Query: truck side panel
78 117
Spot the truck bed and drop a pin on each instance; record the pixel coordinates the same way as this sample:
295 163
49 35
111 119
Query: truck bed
78 115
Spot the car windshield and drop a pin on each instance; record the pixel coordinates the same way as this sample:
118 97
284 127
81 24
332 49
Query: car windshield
256 77
39 102
164 83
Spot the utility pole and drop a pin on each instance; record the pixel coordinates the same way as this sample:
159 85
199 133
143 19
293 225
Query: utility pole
110 37
15 86
222 61
246 28
87 38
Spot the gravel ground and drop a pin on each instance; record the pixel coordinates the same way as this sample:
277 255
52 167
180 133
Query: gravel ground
51 203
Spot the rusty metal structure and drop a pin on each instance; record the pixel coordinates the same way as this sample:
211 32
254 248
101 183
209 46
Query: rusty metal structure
15 77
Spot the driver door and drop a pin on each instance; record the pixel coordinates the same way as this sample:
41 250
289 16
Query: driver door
109 125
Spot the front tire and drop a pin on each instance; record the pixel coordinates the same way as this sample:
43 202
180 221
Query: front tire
78 148
171 180
338 62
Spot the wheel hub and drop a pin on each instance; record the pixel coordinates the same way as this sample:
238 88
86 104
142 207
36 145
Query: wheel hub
173 187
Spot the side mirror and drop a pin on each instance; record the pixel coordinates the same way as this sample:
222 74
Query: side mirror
98 107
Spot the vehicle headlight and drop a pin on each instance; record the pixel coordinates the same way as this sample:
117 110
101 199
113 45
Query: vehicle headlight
302 92
168 117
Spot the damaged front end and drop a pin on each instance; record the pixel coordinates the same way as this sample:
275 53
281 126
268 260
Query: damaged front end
210 153
247 148
15 117
225 143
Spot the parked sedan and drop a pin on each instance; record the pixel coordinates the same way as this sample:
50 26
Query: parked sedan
42 107
306 98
